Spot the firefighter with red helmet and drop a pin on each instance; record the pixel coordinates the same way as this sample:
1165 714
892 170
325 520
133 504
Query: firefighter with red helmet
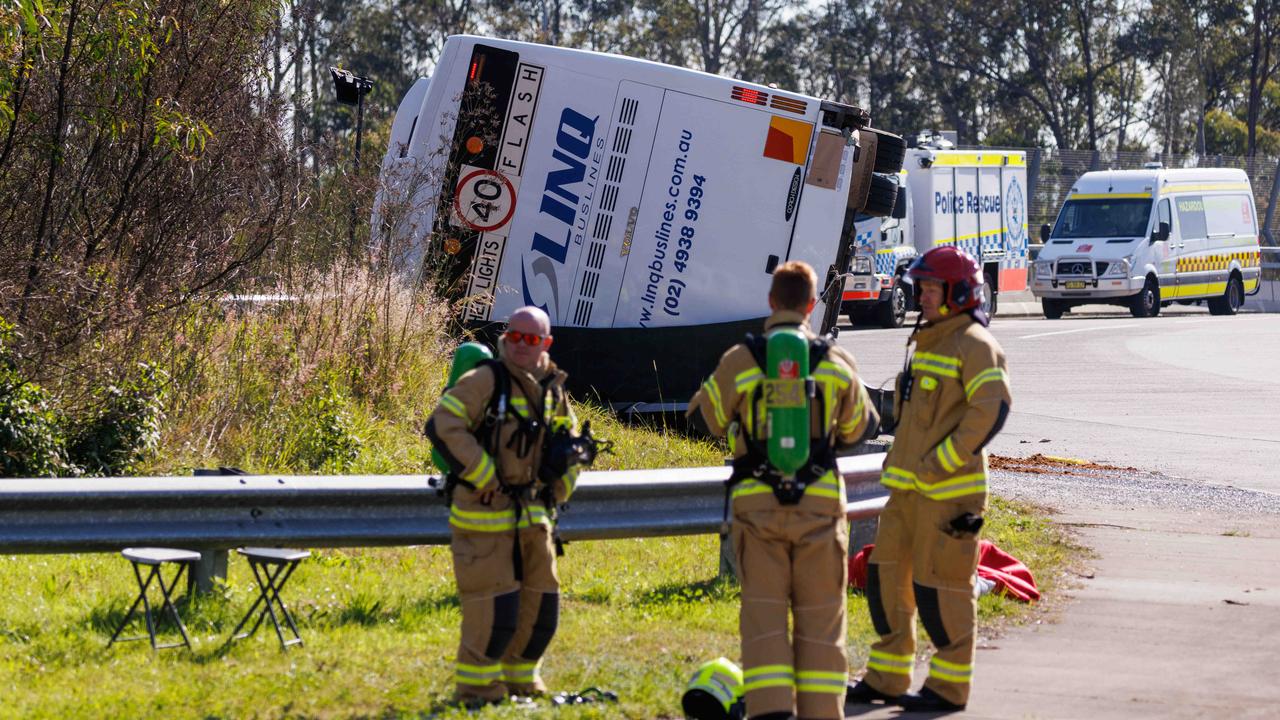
952 398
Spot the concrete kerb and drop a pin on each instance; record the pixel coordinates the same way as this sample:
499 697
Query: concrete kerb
1025 304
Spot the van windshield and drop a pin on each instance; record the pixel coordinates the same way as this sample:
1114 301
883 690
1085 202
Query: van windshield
1103 217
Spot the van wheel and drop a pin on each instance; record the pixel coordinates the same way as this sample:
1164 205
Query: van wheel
891 151
1231 300
893 312
1147 302
990 302
1053 309
881 196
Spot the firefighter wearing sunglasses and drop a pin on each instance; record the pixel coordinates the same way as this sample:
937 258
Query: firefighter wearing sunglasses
506 432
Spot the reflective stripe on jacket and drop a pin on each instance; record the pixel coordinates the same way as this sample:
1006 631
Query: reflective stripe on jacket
724 402
452 429
959 400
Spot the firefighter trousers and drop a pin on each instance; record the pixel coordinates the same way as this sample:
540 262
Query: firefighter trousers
507 622
920 565
793 563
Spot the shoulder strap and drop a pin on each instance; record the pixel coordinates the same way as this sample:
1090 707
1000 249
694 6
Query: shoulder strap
818 349
758 346
500 400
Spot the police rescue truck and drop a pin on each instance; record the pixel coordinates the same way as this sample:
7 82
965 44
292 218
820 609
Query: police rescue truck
1145 238
642 206
975 200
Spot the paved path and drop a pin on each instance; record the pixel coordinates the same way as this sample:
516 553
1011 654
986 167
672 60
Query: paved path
1179 615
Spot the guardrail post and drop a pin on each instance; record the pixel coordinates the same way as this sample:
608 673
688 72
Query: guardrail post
861 533
727 565
213 564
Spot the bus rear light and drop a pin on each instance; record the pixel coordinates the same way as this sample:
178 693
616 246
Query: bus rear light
747 95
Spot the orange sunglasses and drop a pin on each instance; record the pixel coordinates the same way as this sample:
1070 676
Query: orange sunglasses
515 337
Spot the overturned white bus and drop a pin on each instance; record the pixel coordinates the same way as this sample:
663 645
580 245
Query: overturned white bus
643 206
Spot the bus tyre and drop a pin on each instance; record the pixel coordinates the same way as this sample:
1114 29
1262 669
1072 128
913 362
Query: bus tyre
881 196
1146 303
891 151
892 313
1053 309
1231 300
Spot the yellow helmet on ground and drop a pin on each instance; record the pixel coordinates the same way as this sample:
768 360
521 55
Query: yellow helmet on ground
714 692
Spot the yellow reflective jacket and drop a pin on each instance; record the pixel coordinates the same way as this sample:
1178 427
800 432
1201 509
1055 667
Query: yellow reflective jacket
452 430
959 400
725 404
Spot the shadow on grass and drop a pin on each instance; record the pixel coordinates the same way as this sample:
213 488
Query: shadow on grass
713 589
200 613
369 610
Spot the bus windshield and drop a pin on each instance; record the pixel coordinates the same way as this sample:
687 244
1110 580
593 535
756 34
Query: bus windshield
1103 217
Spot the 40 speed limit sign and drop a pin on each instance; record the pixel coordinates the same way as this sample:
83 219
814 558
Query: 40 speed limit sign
484 200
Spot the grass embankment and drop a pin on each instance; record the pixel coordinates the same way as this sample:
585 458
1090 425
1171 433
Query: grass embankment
381 627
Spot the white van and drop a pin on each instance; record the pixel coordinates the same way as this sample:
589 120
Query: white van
1146 238
973 199
642 206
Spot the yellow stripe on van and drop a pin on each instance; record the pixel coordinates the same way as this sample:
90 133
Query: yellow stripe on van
1201 289
992 159
1108 196
971 236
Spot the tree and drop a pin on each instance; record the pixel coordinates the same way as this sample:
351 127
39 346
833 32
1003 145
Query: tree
1264 61
141 167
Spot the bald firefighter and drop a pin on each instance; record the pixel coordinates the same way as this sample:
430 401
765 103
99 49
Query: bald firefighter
505 432
790 536
953 397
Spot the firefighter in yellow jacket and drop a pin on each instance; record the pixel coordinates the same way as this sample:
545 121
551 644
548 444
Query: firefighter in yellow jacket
790 537
501 430
952 398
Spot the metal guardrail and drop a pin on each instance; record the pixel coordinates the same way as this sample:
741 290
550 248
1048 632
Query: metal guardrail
222 512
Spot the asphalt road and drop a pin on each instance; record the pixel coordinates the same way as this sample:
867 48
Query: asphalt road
1177 613
1188 395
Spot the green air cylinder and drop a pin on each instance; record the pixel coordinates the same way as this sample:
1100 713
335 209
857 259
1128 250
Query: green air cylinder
786 400
465 358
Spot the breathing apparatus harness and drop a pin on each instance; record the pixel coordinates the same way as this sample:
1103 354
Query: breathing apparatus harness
560 450
755 464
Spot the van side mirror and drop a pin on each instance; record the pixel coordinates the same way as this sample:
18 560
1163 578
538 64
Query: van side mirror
1162 232
1044 233
900 207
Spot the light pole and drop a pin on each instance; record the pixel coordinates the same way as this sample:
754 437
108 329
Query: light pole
351 90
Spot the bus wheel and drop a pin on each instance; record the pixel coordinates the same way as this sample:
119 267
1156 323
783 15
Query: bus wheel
1231 300
1146 303
1053 309
893 312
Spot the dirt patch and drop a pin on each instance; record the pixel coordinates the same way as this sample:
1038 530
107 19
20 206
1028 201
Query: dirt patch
1039 464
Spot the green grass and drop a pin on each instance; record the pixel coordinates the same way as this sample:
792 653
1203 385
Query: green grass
358 367
381 625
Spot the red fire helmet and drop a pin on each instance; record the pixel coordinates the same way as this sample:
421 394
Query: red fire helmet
957 270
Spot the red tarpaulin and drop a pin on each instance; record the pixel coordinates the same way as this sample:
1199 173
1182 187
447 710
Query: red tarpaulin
1010 576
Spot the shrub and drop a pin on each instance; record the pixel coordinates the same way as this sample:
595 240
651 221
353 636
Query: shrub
125 429
31 439
324 426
